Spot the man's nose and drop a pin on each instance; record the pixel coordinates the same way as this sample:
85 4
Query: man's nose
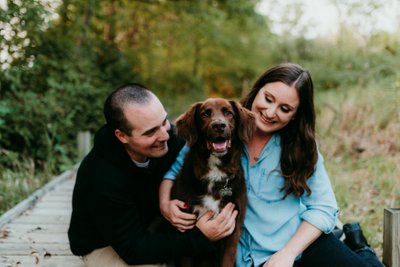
164 133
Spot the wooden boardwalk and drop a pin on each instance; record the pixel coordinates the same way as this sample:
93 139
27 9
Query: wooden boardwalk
34 233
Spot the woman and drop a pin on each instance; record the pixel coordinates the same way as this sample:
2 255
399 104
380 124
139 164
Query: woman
291 205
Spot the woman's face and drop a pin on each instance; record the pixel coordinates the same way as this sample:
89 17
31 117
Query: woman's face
275 105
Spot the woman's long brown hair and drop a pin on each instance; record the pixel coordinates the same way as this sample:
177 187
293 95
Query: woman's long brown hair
299 150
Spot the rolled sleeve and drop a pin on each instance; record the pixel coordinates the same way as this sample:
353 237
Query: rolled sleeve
321 206
323 221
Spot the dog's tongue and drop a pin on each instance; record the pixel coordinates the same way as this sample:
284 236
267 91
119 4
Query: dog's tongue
219 146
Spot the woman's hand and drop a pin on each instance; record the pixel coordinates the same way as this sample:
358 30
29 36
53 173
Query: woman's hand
220 226
172 211
302 239
280 259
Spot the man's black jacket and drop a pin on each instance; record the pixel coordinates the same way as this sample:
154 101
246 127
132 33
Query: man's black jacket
114 202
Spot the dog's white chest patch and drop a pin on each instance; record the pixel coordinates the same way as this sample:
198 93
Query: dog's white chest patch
208 203
214 174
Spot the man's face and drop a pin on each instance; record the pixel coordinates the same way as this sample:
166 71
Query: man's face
149 136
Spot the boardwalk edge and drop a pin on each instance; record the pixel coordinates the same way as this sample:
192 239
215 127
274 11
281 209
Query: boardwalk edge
31 200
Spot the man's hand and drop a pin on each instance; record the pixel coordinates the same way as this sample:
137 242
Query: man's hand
219 227
172 211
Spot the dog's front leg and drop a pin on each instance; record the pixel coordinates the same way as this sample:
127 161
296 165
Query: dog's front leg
229 257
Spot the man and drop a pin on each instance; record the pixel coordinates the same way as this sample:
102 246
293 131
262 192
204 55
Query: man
115 199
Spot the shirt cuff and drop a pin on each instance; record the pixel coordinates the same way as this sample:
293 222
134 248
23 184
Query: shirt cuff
322 220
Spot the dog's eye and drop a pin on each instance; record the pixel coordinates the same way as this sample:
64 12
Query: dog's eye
206 113
227 113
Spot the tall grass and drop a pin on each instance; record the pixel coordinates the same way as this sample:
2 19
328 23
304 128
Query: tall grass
358 133
18 179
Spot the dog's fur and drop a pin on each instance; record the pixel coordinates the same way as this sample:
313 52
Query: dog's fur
212 174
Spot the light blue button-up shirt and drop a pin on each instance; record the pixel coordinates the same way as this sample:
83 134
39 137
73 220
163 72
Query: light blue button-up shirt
271 221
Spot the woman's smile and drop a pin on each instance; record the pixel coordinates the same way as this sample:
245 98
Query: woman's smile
276 105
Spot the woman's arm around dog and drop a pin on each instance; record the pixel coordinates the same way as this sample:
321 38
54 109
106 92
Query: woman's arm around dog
172 209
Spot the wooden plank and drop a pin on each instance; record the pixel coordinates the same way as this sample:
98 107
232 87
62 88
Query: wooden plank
391 237
62 192
24 249
53 205
41 260
51 218
38 227
64 189
57 198
48 211
37 238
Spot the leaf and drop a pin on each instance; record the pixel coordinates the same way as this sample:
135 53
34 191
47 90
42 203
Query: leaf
4 233
47 255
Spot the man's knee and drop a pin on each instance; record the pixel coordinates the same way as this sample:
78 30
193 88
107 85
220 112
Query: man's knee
107 257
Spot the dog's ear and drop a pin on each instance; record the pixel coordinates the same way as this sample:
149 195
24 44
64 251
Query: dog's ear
245 122
186 124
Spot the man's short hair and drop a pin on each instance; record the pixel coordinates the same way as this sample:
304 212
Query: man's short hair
118 99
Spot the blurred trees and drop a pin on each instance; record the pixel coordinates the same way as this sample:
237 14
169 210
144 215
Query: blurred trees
60 59
56 72
54 84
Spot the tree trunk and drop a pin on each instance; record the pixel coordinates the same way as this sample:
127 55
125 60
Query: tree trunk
64 16
196 58
109 28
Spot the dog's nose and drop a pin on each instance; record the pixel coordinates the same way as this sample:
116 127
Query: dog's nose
219 126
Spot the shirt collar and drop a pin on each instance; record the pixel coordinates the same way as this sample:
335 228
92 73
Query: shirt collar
142 164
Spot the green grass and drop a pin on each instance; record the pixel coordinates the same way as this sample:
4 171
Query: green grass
358 130
18 179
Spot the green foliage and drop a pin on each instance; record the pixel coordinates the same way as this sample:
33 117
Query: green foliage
46 101
195 39
176 96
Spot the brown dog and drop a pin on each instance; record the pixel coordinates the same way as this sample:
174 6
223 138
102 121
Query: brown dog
212 174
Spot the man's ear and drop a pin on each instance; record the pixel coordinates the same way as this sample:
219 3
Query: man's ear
121 136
